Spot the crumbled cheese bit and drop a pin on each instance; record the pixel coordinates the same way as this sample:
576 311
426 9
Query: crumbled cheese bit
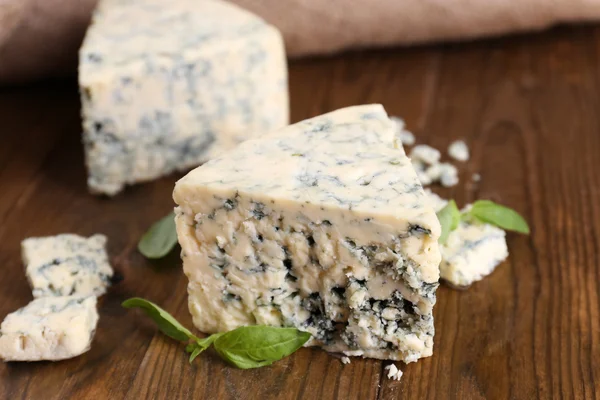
458 150
406 137
345 360
426 162
476 177
448 175
393 372
420 169
425 154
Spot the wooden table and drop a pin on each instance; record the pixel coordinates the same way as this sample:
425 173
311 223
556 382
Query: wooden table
529 106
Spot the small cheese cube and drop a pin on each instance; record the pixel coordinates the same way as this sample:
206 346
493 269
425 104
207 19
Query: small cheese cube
66 265
50 328
472 252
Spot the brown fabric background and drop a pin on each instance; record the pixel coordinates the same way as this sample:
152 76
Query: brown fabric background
40 38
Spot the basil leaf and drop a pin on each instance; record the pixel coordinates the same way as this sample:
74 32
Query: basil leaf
449 218
495 214
257 346
160 238
196 352
245 347
165 321
200 345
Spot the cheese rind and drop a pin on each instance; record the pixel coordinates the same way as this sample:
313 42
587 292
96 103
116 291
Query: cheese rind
321 225
50 328
67 264
184 82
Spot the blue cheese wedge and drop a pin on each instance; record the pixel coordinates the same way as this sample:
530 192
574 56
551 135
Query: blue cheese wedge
66 265
472 251
166 85
322 226
50 328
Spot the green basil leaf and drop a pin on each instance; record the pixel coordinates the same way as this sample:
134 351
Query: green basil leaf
449 218
165 321
199 345
196 352
495 214
190 347
160 238
257 346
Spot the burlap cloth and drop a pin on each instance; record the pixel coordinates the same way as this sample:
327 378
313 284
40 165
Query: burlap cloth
40 38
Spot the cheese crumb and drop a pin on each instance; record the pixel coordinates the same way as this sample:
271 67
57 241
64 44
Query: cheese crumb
393 372
449 175
458 150
425 154
476 177
345 360
426 162
406 137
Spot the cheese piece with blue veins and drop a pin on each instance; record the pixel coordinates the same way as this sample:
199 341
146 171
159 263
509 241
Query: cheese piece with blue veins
67 264
472 251
322 226
50 328
166 85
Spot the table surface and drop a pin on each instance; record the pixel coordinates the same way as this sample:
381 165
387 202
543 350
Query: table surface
529 108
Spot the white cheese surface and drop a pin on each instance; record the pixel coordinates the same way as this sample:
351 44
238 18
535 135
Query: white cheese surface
67 264
51 328
321 225
166 85
472 252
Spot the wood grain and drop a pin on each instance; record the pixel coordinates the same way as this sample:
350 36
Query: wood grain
527 106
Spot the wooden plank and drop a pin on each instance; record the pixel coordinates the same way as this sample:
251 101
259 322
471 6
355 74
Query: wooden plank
527 105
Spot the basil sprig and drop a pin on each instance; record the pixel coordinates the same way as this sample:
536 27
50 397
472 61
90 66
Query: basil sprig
485 211
160 238
245 347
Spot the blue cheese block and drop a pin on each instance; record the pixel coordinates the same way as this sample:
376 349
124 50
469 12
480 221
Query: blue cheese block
472 251
66 265
51 328
322 226
166 85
